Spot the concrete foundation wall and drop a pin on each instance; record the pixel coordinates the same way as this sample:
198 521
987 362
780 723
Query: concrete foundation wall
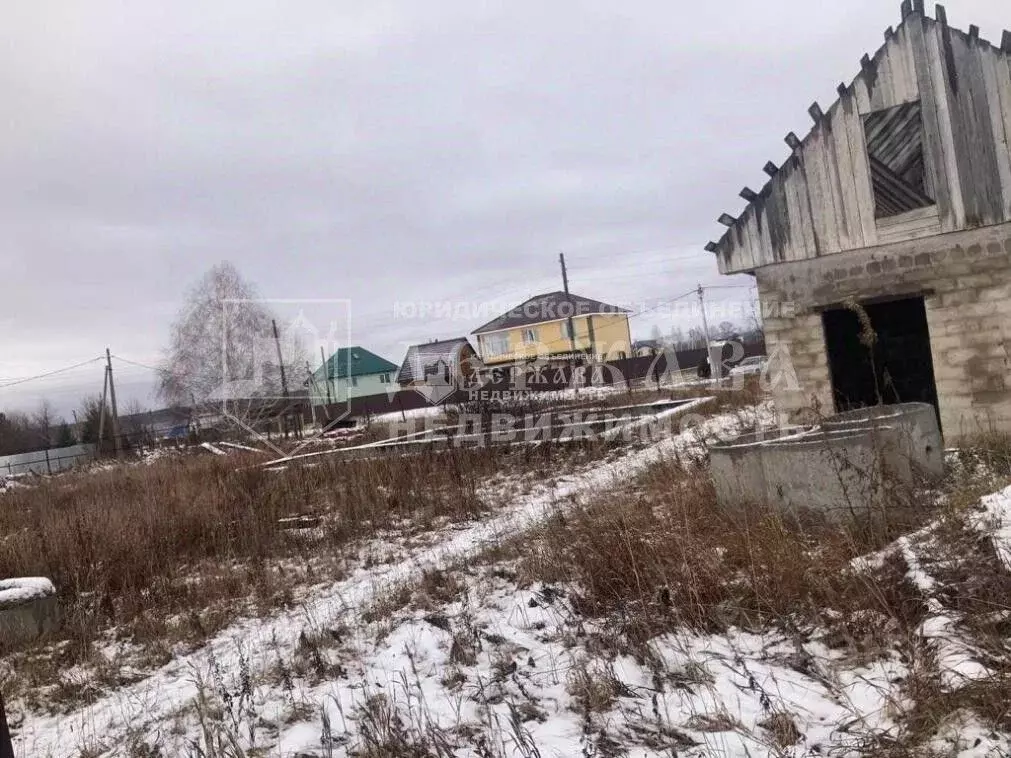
965 279
29 620
840 467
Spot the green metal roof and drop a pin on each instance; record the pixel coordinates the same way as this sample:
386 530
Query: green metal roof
353 361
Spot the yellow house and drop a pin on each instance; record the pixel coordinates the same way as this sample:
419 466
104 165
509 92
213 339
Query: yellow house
539 328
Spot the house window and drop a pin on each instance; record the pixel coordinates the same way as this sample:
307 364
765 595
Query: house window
354 381
495 344
384 378
894 139
568 330
529 336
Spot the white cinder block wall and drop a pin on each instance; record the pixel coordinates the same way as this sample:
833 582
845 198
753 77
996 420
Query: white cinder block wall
965 279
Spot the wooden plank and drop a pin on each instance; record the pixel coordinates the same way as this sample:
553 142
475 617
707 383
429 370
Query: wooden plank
762 230
777 219
834 174
907 87
853 236
819 195
900 234
1003 69
974 136
917 214
917 223
994 70
801 225
891 74
882 95
942 95
796 248
753 253
734 253
935 169
860 169
861 92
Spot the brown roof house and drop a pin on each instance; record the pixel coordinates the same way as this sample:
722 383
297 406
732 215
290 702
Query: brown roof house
556 326
881 246
438 368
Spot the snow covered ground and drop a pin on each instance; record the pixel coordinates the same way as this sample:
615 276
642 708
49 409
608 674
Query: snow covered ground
445 654
254 645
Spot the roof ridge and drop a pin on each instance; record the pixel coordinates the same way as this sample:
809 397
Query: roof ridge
510 320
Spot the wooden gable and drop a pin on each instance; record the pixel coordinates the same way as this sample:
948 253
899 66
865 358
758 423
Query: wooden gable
931 94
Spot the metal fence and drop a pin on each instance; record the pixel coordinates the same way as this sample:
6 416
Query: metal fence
46 461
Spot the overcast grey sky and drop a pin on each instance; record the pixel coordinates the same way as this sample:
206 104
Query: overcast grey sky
386 152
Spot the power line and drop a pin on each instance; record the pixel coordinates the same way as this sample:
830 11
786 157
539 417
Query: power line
51 373
135 363
697 245
666 302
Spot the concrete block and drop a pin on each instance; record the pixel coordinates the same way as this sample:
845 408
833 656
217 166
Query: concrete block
959 298
996 293
838 467
917 433
737 470
947 342
957 356
28 609
974 280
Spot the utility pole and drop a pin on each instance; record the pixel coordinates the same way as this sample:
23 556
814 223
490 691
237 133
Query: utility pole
284 379
312 382
112 399
713 365
280 360
565 285
326 373
572 330
101 412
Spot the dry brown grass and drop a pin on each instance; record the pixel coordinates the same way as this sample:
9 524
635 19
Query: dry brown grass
661 555
170 552
658 555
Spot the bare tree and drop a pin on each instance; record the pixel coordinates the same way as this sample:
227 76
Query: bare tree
24 433
42 420
15 433
222 351
221 344
726 330
90 416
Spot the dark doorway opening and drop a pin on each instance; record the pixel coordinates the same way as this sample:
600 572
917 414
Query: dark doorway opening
902 369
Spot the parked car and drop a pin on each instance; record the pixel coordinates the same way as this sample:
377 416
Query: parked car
753 365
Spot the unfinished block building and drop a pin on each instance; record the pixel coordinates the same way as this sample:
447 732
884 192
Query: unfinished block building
898 200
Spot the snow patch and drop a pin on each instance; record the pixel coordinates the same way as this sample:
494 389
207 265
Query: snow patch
15 592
